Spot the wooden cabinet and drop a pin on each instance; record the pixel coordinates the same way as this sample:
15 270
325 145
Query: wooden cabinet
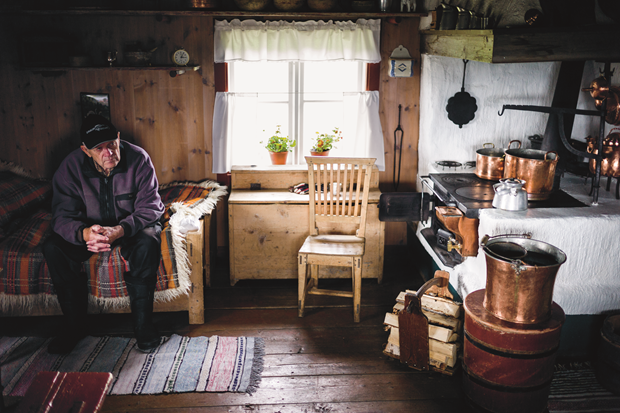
267 226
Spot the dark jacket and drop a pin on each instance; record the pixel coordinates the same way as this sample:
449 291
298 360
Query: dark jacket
83 197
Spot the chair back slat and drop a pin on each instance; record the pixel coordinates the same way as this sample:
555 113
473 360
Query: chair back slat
338 190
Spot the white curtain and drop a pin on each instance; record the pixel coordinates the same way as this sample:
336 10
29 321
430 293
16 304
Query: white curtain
253 41
234 114
236 118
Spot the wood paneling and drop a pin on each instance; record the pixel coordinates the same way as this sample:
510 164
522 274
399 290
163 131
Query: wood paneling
169 117
406 92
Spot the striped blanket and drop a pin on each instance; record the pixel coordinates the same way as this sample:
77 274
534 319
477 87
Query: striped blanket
181 364
25 279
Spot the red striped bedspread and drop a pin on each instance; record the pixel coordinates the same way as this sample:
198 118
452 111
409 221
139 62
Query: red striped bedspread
24 270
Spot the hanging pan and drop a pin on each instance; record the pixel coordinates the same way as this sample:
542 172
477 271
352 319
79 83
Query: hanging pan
462 106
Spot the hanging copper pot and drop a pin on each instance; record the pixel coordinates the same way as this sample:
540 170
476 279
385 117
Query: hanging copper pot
610 164
600 90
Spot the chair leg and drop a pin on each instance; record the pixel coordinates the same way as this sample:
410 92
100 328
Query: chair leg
314 273
302 270
357 288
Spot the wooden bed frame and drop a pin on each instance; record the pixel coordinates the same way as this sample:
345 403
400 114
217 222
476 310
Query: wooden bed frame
199 248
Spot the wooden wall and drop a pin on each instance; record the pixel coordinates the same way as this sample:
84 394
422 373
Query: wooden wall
170 117
405 92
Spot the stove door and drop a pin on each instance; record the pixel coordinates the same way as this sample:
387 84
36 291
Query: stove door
404 206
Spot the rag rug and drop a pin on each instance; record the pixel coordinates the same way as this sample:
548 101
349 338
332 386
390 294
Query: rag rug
181 364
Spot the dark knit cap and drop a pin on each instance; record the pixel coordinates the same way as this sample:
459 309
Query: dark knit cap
96 130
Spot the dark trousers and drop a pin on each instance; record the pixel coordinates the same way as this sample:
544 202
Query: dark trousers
64 260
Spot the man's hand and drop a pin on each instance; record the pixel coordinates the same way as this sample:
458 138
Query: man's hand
100 239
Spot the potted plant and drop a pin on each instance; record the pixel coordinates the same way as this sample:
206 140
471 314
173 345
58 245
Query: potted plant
279 146
324 142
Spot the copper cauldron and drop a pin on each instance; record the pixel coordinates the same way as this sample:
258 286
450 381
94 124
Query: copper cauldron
610 165
490 161
535 167
520 278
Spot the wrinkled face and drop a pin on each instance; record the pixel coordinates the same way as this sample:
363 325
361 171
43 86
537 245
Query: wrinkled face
107 155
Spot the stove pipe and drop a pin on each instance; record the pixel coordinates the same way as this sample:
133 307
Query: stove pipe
565 96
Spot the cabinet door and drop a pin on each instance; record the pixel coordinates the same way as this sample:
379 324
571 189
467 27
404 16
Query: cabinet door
265 239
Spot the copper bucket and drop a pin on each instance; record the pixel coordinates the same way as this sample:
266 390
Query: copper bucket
520 278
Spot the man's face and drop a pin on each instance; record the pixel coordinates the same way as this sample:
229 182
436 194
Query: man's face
107 155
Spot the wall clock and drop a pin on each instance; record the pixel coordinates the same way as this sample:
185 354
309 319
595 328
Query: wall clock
180 57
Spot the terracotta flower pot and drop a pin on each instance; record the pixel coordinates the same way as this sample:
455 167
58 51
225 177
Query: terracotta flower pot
278 158
324 153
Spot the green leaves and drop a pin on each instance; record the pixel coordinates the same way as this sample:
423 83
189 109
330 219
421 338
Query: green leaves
279 143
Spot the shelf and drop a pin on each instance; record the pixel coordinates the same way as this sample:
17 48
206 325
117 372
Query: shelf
521 45
268 14
192 68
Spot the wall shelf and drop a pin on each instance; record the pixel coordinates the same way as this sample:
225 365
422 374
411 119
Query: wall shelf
267 14
520 45
190 68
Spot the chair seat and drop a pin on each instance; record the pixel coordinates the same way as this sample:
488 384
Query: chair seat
344 245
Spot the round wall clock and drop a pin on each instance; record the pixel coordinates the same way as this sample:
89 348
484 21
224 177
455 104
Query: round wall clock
180 57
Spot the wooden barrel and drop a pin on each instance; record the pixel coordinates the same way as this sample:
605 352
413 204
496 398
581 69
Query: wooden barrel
608 366
507 366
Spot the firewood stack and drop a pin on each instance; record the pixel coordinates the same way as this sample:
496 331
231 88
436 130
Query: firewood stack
440 315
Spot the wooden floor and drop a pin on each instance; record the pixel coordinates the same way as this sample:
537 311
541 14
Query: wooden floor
320 363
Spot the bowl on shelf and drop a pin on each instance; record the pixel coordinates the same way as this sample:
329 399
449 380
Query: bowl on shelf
252 5
288 5
322 5
137 58
363 5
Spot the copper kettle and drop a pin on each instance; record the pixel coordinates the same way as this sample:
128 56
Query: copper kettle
600 90
610 164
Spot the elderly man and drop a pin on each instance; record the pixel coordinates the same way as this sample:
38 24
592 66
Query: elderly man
104 194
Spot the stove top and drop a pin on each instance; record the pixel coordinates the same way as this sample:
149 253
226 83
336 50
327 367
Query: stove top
471 194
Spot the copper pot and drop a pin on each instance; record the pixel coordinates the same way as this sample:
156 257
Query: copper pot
610 164
600 90
520 278
490 161
535 167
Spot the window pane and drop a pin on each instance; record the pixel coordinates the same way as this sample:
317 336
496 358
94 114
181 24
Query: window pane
333 77
258 77
303 98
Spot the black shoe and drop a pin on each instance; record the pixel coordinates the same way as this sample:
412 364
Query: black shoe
64 343
152 345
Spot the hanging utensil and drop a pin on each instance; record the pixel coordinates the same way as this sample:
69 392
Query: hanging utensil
398 147
462 106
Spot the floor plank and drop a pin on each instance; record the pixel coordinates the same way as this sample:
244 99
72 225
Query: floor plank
323 362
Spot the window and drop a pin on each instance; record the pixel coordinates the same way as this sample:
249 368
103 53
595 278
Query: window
307 77
302 97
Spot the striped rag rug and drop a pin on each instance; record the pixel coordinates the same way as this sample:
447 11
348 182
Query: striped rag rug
575 389
181 364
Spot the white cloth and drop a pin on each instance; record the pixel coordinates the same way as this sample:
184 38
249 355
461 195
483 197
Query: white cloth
253 41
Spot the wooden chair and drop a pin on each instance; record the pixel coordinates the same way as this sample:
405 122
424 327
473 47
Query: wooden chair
338 190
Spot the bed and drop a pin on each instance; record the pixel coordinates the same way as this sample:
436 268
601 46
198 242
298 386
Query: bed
184 271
